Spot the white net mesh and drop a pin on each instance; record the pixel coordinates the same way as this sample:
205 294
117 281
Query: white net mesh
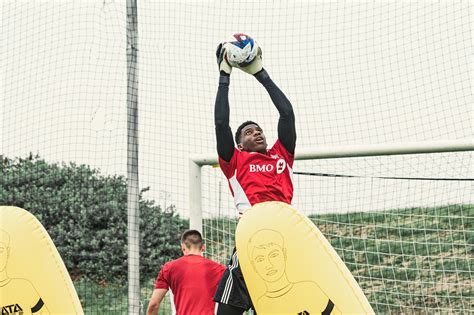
402 224
355 72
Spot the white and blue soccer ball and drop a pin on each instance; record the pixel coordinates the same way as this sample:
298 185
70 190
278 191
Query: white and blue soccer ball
242 51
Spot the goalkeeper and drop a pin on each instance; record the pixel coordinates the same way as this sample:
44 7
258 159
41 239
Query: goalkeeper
255 173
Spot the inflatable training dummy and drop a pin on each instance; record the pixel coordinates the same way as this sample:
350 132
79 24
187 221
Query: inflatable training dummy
289 266
33 277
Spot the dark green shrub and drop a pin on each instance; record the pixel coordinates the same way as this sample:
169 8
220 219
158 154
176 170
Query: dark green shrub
85 214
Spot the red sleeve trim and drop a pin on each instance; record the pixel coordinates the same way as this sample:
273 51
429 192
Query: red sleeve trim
162 281
280 148
228 168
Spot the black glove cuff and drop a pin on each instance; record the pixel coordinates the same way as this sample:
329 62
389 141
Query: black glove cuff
262 76
224 78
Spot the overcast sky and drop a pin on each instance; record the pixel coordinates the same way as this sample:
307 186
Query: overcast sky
358 72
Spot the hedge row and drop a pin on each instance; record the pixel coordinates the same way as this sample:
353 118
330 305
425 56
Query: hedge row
85 214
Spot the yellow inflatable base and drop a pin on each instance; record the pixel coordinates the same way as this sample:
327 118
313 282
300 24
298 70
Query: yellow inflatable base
291 268
33 277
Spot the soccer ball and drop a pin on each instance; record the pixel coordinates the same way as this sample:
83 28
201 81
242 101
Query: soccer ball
242 51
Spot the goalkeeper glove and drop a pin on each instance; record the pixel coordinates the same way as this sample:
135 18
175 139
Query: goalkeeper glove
255 66
222 62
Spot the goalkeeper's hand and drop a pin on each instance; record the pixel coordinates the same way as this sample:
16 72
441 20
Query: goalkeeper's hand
255 66
222 62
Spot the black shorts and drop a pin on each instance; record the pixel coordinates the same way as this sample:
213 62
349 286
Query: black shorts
232 289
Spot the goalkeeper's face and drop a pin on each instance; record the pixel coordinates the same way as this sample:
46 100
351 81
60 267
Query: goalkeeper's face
252 139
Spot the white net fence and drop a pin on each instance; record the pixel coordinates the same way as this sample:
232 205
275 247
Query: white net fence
355 72
402 224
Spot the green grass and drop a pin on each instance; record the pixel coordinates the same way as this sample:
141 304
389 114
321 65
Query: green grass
408 260
418 260
108 298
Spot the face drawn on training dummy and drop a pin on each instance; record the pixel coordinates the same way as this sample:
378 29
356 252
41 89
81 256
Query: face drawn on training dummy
269 259
4 254
19 293
268 256
267 253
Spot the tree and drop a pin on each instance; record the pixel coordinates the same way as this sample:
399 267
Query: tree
85 214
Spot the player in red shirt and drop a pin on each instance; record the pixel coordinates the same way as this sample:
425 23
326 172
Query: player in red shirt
255 173
192 278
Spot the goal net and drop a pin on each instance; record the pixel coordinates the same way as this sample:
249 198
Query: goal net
356 72
403 225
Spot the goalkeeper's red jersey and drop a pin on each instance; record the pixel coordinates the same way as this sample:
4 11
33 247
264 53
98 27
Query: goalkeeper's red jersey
193 280
254 177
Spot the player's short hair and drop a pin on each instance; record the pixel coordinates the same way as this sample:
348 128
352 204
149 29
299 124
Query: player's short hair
242 126
191 238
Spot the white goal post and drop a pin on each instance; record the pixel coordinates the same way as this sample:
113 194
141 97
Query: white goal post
330 152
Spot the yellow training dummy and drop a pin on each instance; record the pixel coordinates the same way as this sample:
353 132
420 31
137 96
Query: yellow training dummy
289 266
33 278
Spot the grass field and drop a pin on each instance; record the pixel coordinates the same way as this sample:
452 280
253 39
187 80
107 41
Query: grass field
112 298
408 260
411 261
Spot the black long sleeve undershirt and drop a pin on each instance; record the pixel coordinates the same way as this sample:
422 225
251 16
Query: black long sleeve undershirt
286 122
225 142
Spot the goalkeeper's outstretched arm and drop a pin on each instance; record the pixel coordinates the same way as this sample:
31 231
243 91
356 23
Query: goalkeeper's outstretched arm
225 142
286 123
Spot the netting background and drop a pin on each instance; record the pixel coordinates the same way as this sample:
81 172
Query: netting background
402 224
355 72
